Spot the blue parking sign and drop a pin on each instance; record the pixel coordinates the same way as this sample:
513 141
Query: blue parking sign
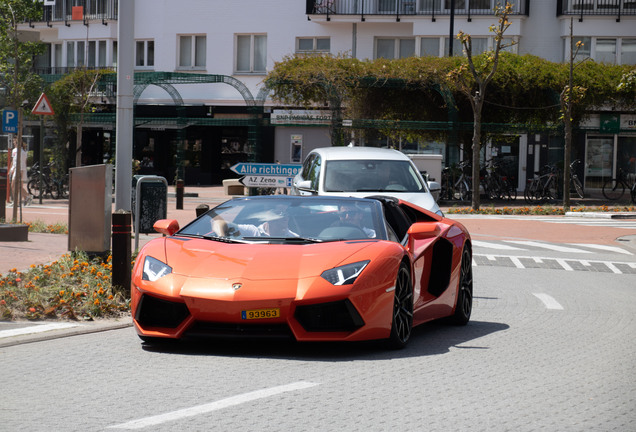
10 121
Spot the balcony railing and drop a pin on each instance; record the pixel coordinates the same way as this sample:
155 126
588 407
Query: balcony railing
68 10
399 8
596 7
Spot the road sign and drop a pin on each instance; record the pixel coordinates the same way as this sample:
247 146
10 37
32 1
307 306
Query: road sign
43 106
266 181
10 121
265 169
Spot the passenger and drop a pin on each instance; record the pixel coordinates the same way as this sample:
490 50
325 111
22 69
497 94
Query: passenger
350 215
276 225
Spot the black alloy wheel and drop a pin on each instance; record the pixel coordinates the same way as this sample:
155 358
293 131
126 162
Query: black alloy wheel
402 323
464 306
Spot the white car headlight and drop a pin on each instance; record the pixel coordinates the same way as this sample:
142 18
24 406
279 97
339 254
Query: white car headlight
344 275
155 269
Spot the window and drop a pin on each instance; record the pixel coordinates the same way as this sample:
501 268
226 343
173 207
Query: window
429 47
394 48
584 50
251 53
316 44
628 51
606 51
145 53
191 52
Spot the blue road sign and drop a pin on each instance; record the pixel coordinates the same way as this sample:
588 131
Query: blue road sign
10 121
265 169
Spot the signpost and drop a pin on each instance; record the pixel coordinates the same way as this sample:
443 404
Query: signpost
265 175
42 107
266 181
10 121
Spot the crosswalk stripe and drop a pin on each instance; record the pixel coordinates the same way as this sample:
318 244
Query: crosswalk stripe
549 246
491 245
603 247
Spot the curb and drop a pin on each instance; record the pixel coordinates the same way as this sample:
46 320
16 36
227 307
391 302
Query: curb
80 329
604 215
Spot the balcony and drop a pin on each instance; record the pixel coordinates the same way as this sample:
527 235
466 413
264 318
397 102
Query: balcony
407 8
583 8
67 10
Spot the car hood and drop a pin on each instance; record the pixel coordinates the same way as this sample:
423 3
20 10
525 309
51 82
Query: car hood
202 258
420 199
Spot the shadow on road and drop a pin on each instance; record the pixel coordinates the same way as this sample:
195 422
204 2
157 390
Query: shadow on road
428 339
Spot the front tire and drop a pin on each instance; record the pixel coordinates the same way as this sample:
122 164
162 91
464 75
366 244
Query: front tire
464 306
402 321
613 189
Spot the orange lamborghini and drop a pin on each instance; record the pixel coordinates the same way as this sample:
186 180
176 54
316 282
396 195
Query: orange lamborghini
308 268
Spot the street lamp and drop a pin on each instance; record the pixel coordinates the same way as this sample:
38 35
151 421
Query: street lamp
452 28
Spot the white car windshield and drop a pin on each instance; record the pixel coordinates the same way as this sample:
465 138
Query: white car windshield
371 176
292 219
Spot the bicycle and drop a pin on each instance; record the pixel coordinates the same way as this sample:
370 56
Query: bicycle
543 186
497 185
613 189
574 179
55 188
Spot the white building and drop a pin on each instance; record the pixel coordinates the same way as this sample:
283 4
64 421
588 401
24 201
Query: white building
214 55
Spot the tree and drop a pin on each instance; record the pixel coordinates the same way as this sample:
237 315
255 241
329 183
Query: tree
473 80
16 58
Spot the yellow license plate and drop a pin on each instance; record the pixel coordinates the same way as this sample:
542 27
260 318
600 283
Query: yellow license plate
260 313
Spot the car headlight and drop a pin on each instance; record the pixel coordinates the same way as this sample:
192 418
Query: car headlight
344 275
155 269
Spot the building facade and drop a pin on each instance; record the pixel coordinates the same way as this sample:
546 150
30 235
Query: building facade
201 106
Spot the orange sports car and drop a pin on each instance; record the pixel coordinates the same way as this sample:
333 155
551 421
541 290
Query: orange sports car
309 268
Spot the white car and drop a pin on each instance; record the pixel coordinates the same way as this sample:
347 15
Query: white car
364 171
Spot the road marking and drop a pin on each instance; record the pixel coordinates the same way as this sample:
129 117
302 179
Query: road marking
548 301
213 406
490 245
564 264
517 262
35 328
549 246
603 247
613 268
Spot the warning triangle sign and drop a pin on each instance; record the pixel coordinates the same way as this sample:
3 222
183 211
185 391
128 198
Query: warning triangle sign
43 107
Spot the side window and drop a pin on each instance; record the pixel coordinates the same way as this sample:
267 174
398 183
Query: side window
307 166
314 173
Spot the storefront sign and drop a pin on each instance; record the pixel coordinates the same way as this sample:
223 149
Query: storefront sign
628 121
301 117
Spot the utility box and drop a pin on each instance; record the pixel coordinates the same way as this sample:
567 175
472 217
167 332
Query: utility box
150 202
430 164
90 208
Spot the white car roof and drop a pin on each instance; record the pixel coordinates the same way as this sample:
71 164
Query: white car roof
351 153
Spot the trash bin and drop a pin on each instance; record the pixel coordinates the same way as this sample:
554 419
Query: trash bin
149 202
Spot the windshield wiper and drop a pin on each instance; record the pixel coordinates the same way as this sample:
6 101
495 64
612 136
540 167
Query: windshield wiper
208 237
285 239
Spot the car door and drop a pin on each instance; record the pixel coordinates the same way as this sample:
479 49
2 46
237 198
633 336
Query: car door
308 180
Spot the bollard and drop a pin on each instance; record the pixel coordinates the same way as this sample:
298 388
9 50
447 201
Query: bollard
202 208
3 193
179 194
121 250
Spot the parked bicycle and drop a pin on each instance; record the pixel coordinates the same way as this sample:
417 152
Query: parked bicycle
51 186
574 179
543 187
614 189
496 184
456 183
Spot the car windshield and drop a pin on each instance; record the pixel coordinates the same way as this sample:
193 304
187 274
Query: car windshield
291 220
371 176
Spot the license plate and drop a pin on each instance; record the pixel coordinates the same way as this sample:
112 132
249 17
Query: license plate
260 313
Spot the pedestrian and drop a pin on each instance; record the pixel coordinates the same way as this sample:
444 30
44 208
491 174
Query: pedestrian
13 174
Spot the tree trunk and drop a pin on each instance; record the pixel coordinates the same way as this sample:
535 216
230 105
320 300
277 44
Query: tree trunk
476 151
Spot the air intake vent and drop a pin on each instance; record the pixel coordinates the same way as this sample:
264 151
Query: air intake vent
329 317
154 312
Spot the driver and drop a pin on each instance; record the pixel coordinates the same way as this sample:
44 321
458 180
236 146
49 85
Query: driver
352 216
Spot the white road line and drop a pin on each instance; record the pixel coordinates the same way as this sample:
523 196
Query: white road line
35 328
549 301
538 260
213 406
564 264
517 262
549 246
490 245
603 247
613 268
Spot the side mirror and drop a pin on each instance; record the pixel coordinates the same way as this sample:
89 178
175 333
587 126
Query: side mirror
435 189
305 186
423 230
166 226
